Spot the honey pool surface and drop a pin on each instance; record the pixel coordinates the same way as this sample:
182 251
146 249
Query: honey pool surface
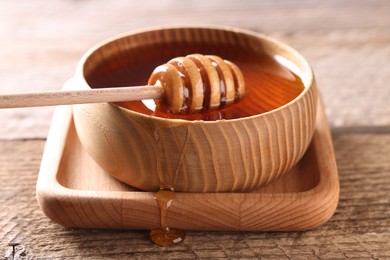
269 84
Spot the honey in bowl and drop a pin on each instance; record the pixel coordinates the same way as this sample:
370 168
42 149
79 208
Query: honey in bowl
269 84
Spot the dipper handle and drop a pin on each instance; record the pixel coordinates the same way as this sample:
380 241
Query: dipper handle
183 85
52 98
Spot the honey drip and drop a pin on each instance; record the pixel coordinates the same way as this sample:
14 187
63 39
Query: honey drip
165 236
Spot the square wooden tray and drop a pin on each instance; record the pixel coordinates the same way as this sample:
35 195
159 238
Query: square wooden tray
73 190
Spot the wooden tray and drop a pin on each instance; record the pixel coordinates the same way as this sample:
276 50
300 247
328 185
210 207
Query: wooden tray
73 190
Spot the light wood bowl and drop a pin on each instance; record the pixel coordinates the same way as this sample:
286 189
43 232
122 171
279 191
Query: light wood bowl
235 155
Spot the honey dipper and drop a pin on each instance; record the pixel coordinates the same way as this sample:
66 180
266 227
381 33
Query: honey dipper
183 85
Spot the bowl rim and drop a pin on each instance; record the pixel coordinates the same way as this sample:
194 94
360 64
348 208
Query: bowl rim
79 75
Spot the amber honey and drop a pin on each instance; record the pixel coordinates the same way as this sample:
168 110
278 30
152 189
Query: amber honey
269 84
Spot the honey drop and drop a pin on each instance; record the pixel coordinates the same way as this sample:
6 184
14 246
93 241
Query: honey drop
165 236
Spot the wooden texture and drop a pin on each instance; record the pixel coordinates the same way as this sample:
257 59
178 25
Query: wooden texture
195 156
207 89
70 184
346 42
360 227
52 98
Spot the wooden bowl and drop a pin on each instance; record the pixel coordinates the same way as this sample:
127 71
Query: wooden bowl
148 152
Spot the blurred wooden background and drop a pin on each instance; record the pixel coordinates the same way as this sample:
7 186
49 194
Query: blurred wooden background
348 45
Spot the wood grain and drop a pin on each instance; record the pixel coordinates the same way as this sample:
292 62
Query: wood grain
74 191
53 98
359 228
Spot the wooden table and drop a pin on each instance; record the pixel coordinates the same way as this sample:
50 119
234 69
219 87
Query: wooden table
348 45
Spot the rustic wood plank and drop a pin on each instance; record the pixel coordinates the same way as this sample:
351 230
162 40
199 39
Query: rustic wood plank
347 42
360 227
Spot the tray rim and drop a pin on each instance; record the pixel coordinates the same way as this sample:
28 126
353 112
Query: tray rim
50 192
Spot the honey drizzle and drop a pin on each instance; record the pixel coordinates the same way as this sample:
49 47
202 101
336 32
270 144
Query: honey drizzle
164 235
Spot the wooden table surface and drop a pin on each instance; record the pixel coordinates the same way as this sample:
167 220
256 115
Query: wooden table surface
348 45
